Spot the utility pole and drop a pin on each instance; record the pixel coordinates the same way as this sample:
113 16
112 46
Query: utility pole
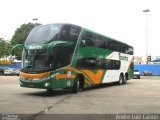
146 11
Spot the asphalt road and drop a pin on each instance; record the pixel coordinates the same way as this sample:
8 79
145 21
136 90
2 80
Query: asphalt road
136 97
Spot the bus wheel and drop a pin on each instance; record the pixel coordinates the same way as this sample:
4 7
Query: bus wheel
125 79
121 79
76 86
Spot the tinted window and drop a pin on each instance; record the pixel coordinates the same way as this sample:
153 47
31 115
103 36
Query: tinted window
65 53
112 64
129 50
74 33
119 47
61 57
87 63
97 63
70 33
100 42
91 39
87 39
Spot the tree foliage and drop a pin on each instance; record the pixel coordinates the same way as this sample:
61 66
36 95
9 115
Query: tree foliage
20 36
5 48
21 33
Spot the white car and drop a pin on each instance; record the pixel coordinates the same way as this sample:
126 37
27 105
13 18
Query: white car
11 71
136 74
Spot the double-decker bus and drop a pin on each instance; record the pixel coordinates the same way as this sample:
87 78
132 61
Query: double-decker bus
68 56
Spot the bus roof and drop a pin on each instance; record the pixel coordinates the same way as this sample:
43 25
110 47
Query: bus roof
62 24
89 31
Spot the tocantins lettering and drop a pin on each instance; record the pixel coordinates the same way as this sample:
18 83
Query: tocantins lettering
123 58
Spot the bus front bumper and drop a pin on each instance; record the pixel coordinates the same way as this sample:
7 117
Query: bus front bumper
36 83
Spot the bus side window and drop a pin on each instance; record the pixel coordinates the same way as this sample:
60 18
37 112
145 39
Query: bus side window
129 50
112 64
87 40
74 33
65 33
108 64
70 33
90 63
117 64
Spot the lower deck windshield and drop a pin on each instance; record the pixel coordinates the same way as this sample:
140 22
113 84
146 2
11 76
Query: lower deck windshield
37 60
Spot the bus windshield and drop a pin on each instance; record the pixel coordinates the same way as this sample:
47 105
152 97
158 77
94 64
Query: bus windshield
43 34
37 60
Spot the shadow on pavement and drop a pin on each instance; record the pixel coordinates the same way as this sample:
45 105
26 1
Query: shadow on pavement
45 93
62 92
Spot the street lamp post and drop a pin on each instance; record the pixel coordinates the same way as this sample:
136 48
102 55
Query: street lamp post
35 19
146 11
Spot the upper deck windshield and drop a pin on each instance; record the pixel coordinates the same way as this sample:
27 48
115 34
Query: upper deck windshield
47 33
43 34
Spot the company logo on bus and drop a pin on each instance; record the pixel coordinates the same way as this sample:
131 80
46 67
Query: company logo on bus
123 58
35 47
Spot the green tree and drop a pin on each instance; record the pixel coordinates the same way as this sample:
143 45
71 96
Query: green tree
20 36
5 48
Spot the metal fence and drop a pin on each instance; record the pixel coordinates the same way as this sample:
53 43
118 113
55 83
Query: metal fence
154 69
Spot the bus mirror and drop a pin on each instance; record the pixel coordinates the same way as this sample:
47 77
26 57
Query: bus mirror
57 44
15 47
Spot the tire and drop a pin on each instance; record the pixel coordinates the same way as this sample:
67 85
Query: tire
76 86
121 80
125 79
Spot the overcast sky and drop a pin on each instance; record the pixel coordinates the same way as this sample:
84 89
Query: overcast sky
123 20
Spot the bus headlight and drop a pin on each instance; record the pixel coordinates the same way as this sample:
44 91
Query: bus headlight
47 84
45 78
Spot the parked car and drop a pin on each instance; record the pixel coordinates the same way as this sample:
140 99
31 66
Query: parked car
8 71
147 73
136 74
11 71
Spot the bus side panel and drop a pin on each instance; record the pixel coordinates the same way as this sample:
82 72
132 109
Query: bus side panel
65 77
111 76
